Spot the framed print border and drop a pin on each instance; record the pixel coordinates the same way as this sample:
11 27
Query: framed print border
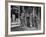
43 4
